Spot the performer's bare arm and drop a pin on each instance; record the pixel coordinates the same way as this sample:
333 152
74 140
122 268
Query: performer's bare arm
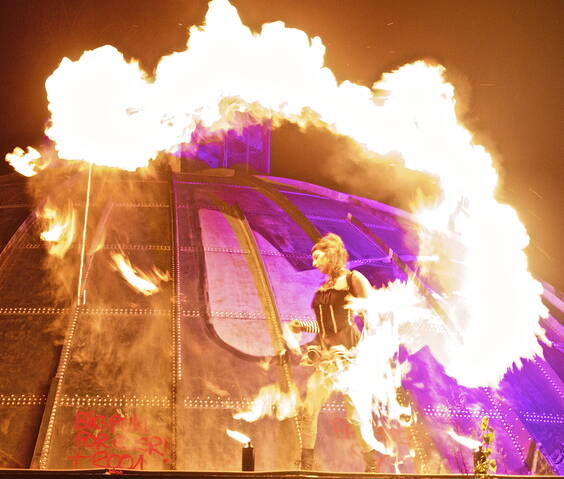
360 286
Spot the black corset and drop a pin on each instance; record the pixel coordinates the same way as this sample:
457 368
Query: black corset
336 324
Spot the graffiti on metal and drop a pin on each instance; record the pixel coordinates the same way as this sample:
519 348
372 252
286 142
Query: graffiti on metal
116 441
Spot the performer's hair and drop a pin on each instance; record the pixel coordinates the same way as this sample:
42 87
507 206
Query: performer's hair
334 248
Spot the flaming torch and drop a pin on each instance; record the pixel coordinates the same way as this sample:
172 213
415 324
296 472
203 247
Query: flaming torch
248 451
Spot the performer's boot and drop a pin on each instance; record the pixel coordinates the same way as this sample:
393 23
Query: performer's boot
306 462
371 461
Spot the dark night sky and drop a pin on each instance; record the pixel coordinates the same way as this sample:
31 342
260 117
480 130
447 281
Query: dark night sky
505 57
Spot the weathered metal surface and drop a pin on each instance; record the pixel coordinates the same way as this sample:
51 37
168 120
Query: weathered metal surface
152 382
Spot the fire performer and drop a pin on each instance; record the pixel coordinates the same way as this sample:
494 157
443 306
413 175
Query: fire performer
336 337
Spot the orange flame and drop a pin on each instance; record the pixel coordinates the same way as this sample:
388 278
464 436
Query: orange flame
291 339
105 111
465 441
60 232
238 436
26 164
271 401
140 281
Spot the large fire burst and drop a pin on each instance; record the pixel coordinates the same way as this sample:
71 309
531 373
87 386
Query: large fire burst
107 112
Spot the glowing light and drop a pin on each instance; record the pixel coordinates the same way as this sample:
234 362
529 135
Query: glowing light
60 231
26 164
465 441
140 281
106 111
271 401
481 266
238 436
374 375
54 234
291 339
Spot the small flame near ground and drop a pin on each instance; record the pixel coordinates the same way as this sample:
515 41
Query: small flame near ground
465 441
238 436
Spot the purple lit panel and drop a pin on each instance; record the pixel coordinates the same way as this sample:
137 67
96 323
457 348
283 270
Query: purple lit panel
536 394
246 148
236 310
330 215
444 405
217 377
274 224
553 355
285 252
293 289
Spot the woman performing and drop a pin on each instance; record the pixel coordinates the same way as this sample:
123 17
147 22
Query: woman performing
337 333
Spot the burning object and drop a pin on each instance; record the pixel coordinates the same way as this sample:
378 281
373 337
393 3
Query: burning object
146 284
247 452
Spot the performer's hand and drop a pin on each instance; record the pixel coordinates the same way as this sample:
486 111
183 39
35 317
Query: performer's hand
295 326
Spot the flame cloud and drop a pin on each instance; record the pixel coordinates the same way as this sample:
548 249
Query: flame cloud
107 111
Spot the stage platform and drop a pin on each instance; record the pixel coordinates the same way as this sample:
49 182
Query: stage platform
69 473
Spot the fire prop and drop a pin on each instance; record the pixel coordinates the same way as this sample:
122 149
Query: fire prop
248 451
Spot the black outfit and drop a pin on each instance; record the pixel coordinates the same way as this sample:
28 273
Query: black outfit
335 324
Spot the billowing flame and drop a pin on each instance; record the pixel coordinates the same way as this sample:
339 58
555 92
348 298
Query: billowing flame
482 269
238 436
139 280
107 111
373 378
465 441
272 401
55 233
399 314
61 227
27 164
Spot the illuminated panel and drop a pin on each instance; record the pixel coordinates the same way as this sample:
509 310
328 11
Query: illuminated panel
236 309
220 371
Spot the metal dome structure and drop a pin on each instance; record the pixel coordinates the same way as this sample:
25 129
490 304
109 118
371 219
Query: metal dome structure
120 379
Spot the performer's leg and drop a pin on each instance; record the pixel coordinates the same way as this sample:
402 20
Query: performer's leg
358 427
319 388
365 437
